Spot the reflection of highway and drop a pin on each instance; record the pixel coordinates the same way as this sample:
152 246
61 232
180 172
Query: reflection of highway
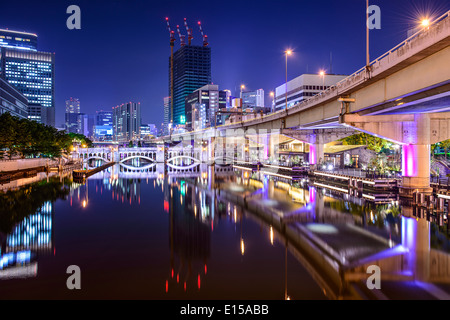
335 246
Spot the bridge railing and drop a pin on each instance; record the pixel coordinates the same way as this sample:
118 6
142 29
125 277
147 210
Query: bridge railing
361 173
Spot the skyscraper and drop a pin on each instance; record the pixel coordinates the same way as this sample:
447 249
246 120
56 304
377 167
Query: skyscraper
167 116
191 70
87 124
202 107
16 39
253 99
103 130
72 113
30 71
127 122
12 101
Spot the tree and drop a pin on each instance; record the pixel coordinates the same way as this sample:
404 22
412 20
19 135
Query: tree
445 145
8 134
373 143
130 144
29 138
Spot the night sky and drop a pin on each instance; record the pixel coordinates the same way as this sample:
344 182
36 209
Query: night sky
121 52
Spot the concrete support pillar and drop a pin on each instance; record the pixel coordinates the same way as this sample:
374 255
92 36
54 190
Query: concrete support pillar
246 150
211 149
416 157
316 154
268 147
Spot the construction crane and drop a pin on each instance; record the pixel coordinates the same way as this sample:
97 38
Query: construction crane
189 32
204 36
182 43
172 43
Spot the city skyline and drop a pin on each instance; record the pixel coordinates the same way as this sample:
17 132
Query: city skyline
90 65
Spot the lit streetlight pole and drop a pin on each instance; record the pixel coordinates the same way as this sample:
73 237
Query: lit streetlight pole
322 74
287 53
367 35
272 94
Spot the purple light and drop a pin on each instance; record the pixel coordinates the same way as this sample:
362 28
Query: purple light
312 195
312 154
409 164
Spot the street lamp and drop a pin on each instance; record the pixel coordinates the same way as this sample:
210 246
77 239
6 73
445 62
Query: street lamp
322 74
287 53
272 94
425 22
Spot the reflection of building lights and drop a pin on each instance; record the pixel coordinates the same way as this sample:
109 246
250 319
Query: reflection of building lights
271 235
242 247
84 204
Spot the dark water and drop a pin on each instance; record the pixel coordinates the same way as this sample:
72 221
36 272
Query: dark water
146 236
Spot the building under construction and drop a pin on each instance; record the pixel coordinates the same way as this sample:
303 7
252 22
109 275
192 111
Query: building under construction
189 69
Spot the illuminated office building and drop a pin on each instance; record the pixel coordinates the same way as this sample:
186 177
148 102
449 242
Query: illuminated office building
31 72
103 130
302 88
253 99
12 101
87 124
127 121
203 105
72 115
16 39
167 116
191 70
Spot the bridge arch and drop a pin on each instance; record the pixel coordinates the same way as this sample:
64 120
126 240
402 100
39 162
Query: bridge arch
137 157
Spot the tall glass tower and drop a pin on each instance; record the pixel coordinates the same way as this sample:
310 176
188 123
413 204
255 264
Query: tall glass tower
31 72
72 113
191 70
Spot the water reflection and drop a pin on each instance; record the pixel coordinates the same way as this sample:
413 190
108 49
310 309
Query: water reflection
219 233
26 226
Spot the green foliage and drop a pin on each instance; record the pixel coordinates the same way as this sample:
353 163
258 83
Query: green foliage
31 139
441 145
373 143
78 137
